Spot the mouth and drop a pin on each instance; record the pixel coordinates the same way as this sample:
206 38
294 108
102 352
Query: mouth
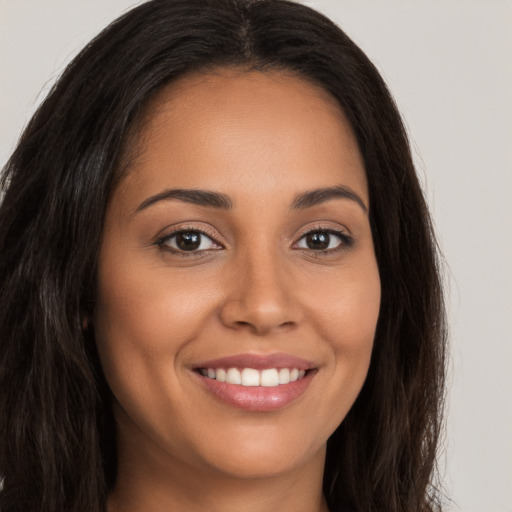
251 377
256 383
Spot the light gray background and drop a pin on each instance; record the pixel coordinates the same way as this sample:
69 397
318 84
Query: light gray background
449 65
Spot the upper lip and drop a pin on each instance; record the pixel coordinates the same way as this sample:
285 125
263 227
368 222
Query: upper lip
258 362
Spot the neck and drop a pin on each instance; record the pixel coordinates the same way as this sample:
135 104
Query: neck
269 495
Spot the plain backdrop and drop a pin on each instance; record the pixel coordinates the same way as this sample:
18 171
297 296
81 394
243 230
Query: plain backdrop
449 66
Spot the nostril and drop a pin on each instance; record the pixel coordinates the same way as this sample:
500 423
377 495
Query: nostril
259 312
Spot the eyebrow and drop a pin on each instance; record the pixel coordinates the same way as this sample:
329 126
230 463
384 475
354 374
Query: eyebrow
198 197
212 199
321 195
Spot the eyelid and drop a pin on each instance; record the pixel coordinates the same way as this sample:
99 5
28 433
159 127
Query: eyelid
347 240
173 231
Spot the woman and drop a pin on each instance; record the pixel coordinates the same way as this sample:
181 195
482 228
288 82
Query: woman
219 285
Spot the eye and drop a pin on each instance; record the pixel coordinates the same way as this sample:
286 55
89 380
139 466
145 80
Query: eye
324 240
188 241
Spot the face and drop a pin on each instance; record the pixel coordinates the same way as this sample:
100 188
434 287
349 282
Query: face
238 290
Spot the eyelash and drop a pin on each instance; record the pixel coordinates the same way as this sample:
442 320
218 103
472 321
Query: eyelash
161 242
346 242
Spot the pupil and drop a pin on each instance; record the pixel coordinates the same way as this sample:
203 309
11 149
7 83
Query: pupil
188 241
317 241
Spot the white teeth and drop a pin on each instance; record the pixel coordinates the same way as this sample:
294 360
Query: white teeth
270 377
250 377
233 376
284 376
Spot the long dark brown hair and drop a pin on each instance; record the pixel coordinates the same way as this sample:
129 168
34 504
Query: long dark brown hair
57 434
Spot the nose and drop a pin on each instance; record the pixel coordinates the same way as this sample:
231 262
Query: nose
261 296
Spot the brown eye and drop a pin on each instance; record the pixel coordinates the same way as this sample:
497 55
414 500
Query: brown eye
188 241
324 240
318 241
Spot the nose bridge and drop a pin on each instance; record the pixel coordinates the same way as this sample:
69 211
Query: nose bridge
260 297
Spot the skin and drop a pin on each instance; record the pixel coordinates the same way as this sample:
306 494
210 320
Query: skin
255 286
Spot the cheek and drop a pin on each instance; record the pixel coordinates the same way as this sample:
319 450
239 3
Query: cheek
346 307
143 322
346 310
150 309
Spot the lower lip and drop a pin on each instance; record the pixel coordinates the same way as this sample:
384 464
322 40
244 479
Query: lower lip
258 398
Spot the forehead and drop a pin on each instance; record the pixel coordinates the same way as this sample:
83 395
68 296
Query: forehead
233 128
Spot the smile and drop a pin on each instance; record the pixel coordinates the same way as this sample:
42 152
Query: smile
256 383
250 377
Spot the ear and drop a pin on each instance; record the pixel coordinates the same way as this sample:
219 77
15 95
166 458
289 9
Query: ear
85 319
86 314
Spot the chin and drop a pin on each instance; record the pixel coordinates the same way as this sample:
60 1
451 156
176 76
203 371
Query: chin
263 452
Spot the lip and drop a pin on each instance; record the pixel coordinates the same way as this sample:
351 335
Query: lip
257 399
258 362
